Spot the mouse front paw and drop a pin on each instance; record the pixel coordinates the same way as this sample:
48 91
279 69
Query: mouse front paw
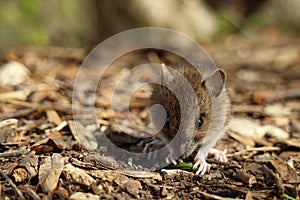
152 147
171 158
218 155
202 166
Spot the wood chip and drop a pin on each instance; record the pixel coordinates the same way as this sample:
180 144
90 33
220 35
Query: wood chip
76 175
20 194
26 169
8 122
53 116
249 196
81 195
251 129
20 175
246 178
277 110
140 174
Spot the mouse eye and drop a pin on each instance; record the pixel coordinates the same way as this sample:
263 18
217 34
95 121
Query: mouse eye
168 119
167 123
199 122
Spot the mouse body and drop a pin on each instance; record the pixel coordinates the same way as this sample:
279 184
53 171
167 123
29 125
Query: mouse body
199 117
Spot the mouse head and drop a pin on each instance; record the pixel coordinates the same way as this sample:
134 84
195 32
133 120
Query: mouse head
186 98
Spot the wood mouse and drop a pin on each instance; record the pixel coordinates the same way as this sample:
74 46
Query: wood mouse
200 120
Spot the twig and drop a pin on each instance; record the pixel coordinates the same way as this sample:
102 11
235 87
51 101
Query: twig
12 184
274 95
15 143
248 109
14 153
49 52
213 196
30 192
40 107
18 114
254 149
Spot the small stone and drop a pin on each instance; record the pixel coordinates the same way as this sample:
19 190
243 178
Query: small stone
131 188
13 73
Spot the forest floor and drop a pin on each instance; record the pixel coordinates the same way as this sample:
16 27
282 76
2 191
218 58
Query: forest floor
42 155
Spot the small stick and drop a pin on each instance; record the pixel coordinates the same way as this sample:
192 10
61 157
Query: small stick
40 107
18 114
254 149
15 143
248 109
14 153
261 97
12 184
213 196
31 192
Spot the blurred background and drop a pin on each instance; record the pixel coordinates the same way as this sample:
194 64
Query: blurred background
83 24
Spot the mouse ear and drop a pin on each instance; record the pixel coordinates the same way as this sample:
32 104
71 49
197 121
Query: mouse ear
215 82
166 74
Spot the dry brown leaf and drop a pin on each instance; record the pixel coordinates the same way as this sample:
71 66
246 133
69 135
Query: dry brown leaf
285 171
60 193
49 144
295 142
50 172
255 168
295 155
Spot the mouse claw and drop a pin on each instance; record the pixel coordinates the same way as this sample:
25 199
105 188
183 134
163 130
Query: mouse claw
218 155
170 159
151 148
203 166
